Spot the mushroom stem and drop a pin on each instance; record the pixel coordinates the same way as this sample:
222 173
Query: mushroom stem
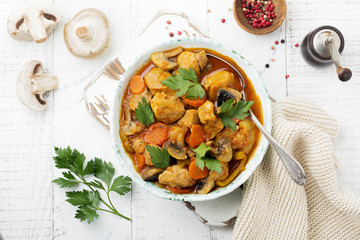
44 83
36 28
85 34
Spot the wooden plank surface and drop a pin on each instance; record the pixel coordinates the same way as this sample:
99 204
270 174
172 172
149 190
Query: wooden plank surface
32 208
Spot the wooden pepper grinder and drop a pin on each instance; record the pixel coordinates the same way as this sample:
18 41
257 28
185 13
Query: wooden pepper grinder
323 46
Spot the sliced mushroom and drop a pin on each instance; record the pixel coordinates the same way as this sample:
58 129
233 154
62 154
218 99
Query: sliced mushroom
32 84
87 34
151 174
33 21
225 94
129 127
166 60
176 143
223 151
205 185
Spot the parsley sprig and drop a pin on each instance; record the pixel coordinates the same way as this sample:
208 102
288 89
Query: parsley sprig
159 157
88 202
144 112
201 159
186 84
228 111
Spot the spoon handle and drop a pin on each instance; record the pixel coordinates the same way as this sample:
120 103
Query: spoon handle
291 165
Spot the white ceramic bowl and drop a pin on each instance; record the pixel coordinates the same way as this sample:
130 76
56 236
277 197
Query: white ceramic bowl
136 63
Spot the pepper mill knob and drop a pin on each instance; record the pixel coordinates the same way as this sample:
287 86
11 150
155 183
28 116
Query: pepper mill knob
323 46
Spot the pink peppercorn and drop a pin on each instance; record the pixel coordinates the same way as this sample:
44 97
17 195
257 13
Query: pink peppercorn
179 33
287 76
296 45
171 34
223 20
276 42
168 22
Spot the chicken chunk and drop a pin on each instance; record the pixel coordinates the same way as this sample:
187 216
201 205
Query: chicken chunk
176 143
147 155
135 99
153 80
221 176
190 117
218 80
175 176
206 112
138 145
213 128
167 107
129 127
197 61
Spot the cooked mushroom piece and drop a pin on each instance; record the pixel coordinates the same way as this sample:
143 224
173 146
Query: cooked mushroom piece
166 60
33 21
222 150
87 34
205 185
151 174
176 143
128 127
32 84
225 94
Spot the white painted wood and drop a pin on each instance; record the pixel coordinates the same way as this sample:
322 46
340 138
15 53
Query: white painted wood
32 208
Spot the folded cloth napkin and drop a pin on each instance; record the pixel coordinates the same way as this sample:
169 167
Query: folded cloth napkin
274 207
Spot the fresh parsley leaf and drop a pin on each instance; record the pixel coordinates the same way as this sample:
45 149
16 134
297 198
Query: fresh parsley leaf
228 111
85 213
97 184
159 157
121 185
78 198
186 84
68 181
202 160
144 112
104 171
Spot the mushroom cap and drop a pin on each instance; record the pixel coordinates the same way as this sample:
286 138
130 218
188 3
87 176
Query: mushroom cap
31 84
87 34
33 21
166 60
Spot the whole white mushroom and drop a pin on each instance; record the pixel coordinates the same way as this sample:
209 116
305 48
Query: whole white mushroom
87 34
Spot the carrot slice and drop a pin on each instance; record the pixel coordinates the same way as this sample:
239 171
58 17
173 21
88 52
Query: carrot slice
179 191
157 134
196 136
139 161
196 173
137 84
194 102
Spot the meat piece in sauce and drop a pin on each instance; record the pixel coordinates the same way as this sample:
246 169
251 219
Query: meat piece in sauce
138 145
153 80
220 176
244 138
129 127
213 128
175 176
135 99
218 80
190 117
197 61
167 107
176 143
206 112
147 155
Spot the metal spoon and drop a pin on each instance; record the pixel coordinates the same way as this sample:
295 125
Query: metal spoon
293 167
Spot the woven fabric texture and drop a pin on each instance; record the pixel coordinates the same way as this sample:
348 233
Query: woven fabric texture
274 207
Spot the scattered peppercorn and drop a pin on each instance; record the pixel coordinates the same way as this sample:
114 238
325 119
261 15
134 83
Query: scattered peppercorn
287 76
223 20
267 65
272 47
260 13
276 42
282 41
171 34
168 22
273 60
179 33
297 45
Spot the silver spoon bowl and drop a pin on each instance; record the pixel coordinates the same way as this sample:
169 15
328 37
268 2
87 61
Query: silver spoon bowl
292 166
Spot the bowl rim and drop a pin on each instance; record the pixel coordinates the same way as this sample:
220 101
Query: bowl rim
136 63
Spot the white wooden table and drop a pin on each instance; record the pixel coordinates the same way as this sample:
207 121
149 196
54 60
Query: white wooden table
33 208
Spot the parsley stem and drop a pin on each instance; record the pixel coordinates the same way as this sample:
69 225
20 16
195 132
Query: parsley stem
115 213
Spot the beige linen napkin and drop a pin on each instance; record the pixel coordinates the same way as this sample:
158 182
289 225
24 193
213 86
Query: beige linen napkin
274 207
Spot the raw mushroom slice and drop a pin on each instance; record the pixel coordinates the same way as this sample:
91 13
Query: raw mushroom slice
166 60
32 84
33 21
87 34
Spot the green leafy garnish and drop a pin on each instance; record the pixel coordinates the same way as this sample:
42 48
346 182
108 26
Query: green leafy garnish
202 160
88 201
159 157
186 84
228 111
144 112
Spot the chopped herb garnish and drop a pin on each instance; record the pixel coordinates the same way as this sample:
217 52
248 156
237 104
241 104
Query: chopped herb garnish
202 160
159 157
228 111
144 112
